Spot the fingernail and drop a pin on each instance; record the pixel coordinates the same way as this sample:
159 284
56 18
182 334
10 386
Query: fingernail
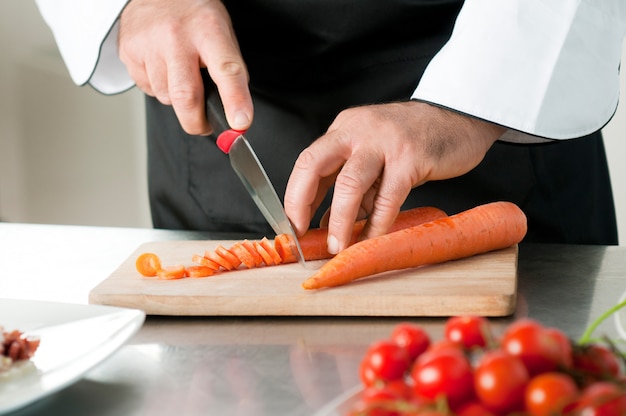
241 121
333 244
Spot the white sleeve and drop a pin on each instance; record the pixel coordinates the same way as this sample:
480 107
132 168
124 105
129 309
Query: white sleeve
542 68
86 34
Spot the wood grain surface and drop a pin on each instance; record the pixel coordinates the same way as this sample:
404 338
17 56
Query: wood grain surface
485 285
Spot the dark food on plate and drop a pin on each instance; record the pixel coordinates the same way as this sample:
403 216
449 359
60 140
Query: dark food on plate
16 349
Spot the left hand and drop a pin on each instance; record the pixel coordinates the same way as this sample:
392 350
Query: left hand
374 155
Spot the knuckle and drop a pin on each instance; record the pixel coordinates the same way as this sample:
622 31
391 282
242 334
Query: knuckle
231 68
348 183
185 99
387 202
305 159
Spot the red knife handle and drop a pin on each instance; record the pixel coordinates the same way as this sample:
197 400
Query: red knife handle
226 138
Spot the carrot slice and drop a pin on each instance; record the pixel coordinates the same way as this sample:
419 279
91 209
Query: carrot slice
282 245
258 260
267 259
314 242
211 255
478 230
243 254
269 247
198 271
203 261
148 264
228 256
172 272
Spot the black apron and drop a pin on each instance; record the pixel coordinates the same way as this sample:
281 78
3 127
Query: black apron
307 61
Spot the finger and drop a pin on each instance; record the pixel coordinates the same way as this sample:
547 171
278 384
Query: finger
366 206
157 76
391 194
186 93
367 203
364 209
355 179
232 85
311 177
229 73
325 218
139 75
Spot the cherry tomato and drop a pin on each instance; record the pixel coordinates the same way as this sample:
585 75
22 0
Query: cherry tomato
393 390
549 393
384 361
539 351
565 345
445 373
470 331
412 337
473 409
381 408
596 361
445 345
500 379
601 398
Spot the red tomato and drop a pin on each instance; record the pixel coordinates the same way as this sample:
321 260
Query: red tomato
444 372
549 393
473 409
597 361
500 380
602 398
539 351
393 390
445 345
382 408
565 345
412 337
470 331
384 361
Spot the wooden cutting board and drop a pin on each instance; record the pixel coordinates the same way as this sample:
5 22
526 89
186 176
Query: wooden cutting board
484 285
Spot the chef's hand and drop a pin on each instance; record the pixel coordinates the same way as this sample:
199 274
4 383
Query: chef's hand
165 44
374 155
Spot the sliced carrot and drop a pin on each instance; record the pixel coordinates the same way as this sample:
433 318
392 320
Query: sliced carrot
203 261
267 259
198 271
283 244
483 228
269 247
172 272
243 254
258 260
148 264
212 255
314 242
228 256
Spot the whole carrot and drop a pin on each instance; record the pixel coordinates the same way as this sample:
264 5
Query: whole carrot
478 230
314 241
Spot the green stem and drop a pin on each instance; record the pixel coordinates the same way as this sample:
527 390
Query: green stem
587 335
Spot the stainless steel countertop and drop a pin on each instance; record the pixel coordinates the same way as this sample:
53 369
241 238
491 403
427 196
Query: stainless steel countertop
257 365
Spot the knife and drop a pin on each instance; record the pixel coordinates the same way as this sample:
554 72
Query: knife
247 166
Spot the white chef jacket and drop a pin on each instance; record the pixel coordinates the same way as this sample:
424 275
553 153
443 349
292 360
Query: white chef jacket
546 69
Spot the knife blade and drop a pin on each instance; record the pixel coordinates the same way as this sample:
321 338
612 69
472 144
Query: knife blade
247 166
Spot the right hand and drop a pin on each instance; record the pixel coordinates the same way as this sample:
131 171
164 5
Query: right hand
165 44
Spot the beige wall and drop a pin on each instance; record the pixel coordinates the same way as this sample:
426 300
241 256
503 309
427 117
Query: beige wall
72 156
68 155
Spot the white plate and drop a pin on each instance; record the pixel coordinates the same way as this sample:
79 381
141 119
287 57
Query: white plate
74 339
